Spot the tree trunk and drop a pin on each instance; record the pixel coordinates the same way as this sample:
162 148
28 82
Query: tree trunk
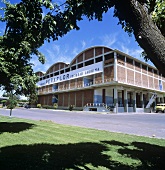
146 32
10 112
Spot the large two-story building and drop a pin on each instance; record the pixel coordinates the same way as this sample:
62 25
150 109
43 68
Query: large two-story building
101 77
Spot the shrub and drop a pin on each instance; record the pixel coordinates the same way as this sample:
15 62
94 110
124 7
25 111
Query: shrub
4 102
71 107
45 106
38 105
55 105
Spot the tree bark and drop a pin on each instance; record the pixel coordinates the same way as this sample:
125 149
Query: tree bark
146 32
10 112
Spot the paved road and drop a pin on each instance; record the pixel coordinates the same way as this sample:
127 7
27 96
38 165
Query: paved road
142 124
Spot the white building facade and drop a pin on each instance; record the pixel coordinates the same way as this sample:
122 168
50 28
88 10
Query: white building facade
100 77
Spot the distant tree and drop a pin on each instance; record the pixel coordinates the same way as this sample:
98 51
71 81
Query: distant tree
11 102
33 99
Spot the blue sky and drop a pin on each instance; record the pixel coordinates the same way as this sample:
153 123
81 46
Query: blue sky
91 33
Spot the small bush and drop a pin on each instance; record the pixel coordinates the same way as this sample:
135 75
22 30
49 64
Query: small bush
71 107
55 105
3 102
48 107
45 106
38 105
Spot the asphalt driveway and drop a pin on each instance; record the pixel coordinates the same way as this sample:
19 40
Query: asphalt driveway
141 124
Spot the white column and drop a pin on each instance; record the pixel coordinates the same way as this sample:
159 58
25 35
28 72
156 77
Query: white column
125 101
103 67
134 101
141 99
115 66
115 100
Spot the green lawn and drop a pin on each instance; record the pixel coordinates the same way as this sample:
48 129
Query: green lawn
27 144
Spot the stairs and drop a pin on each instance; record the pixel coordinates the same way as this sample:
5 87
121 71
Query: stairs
152 99
97 107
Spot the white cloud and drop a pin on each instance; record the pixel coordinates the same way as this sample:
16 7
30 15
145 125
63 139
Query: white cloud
109 39
53 53
83 44
131 51
75 51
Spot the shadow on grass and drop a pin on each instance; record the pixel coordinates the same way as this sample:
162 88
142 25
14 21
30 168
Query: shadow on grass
56 157
77 156
151 156
14 127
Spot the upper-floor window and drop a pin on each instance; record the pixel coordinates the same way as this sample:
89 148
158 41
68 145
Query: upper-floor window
80 65
56 73
73 68
67 69
109 56
121 59
89 62
150 70
129 61
99 59
144 67
137 64
156 72
62 71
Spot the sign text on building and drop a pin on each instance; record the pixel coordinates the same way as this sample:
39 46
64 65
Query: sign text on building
81 72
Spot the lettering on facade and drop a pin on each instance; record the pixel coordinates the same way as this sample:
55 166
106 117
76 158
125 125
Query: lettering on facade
81 72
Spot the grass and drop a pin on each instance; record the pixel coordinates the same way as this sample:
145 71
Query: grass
27 144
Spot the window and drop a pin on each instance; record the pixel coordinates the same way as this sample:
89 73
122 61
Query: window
137 64
67 70
155 71
73 68
89 62
56 73
80 65
129 61
121 57
150 70
62 71
144 67
109 56
99 59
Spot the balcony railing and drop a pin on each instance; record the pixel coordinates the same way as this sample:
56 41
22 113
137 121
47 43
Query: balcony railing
99 82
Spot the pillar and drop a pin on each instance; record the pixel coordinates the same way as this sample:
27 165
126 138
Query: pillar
125 101
115 97
115 66
142 100
134 101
